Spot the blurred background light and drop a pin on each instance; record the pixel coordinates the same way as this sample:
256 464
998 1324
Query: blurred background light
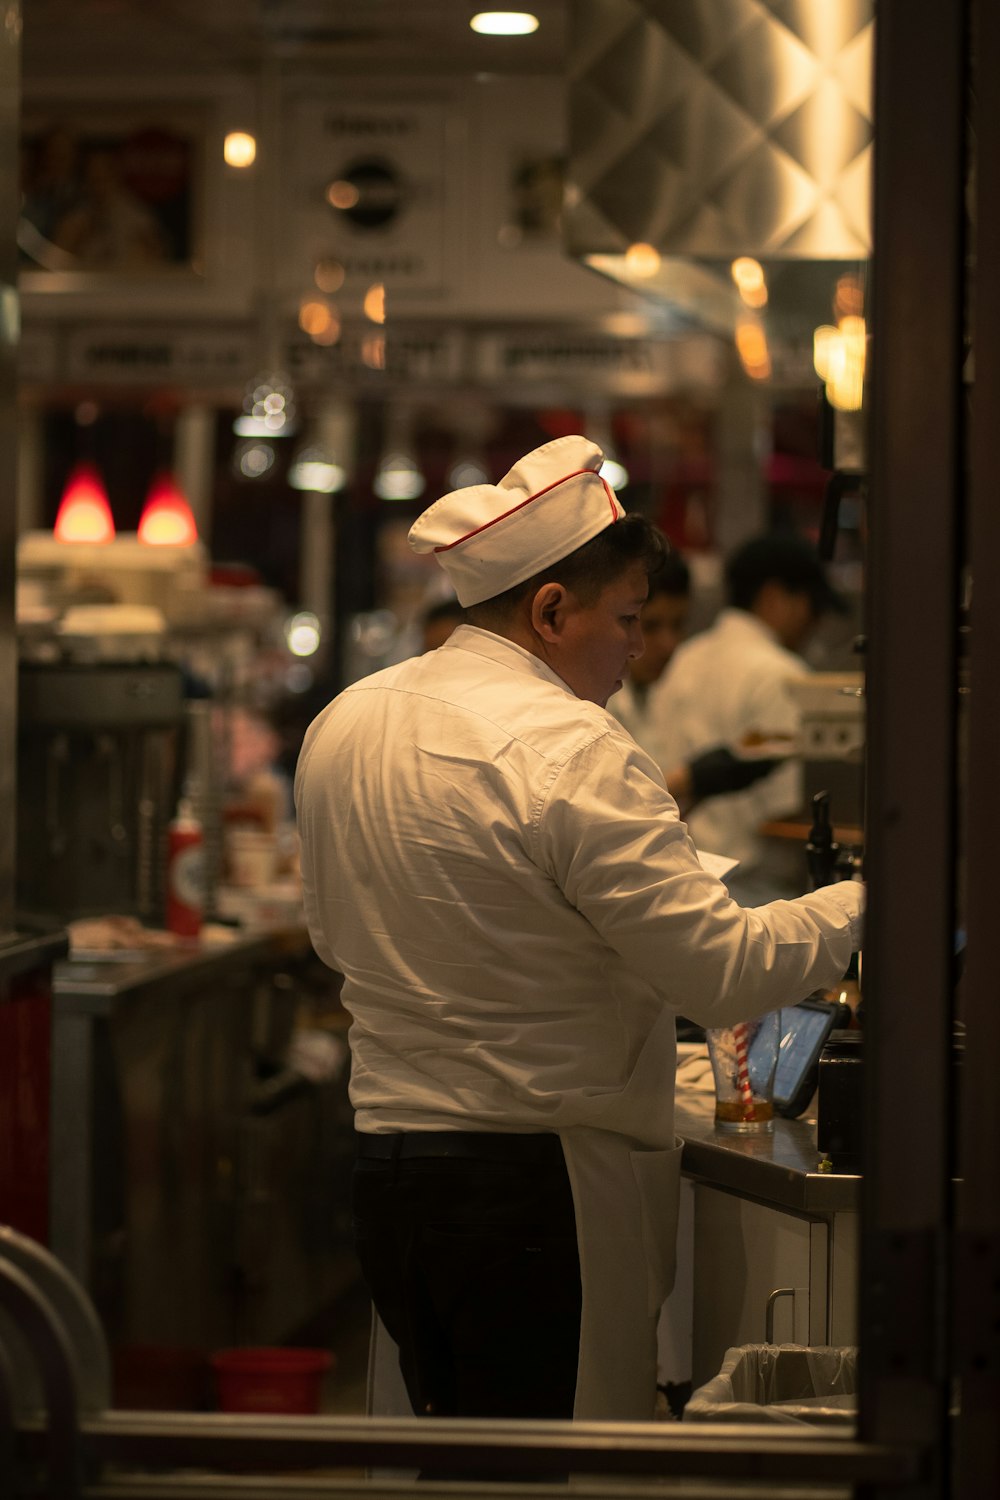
504 23
314 468
84 514
167 519
239 149
303 634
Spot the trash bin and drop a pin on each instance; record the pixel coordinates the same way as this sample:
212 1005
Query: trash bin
785 1383
271 1379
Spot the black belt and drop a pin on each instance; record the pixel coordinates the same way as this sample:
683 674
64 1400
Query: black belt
474 1145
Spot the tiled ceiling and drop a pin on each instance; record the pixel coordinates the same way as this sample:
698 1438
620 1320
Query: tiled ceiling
65 39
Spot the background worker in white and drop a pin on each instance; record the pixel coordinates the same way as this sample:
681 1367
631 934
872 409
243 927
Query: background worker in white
715 771
664 626
727 687
501 876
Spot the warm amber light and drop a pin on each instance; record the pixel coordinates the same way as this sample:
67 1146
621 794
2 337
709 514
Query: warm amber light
329 275
504 23
748 274
751 345
239 149
319 320
374 303
166 520
642 260
839 356
826 343
84 514
328 335
313 316
849 297
373 351
342 194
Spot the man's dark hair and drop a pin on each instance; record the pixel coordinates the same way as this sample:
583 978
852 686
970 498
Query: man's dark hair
780 557
587 571
672 577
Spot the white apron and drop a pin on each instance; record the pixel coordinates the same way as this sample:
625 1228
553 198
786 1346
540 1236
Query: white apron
626 1203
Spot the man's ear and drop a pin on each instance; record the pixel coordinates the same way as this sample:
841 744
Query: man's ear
548 611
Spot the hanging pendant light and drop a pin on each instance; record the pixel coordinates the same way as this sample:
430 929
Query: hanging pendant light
399 476
84 514
315 468
167 519
268 407
598 429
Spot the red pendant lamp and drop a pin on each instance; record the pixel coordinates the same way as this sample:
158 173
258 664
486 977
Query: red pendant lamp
84 514
166 520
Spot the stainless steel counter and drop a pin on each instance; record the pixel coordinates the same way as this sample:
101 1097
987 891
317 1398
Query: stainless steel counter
197 1182
91 984
778 1169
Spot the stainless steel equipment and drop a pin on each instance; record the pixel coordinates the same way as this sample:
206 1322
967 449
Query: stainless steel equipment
98 746
832 741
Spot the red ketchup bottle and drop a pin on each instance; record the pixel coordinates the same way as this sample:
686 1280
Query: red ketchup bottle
185 872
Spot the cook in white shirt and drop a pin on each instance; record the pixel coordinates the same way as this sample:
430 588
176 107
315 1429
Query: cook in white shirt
728 686
501 876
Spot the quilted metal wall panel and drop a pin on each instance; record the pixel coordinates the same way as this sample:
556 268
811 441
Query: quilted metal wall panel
715 128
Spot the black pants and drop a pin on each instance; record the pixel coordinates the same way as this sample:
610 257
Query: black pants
472 1265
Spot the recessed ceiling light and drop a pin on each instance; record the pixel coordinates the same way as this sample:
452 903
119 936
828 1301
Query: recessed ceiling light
504 22
239 149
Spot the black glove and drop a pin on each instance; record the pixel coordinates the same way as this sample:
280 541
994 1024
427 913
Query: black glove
716 772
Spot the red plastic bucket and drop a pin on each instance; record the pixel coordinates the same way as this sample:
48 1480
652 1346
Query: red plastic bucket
274 1380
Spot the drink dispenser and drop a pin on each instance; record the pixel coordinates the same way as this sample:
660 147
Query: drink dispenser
98 745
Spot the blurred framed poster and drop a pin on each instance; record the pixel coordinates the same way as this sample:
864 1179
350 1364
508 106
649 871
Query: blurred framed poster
111 192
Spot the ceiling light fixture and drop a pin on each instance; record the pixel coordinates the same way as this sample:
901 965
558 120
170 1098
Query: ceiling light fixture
465 471
252 459
642 260
597 426
314 468
398 478
268 409
303 633
84 514
374 303
239 149
504 23
167 520
614 471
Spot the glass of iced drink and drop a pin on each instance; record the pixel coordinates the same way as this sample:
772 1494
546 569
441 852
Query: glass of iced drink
744 1058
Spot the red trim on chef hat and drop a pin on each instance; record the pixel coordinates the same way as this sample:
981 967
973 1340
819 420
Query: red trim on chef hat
489 537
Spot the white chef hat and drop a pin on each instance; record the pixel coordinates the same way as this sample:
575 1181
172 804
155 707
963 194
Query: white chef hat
489 537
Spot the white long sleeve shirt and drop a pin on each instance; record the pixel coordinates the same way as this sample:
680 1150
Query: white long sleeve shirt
727 682
501 876
635 711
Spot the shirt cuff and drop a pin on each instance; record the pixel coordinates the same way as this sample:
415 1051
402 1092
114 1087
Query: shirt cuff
848 896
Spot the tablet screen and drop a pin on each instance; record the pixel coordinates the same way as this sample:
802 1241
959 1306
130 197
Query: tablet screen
803 1032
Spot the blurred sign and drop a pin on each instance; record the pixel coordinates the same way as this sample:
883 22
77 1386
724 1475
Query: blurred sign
133 355
369 185
424 355
625 366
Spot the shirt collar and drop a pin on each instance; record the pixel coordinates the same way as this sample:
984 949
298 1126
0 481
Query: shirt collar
504 652
741 619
